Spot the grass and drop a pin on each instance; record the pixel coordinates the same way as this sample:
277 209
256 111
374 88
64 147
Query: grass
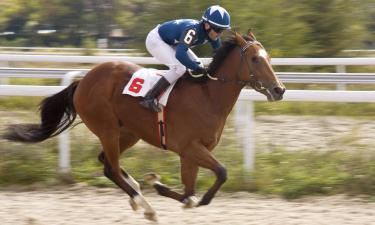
315 108
291 174
295 174
278 172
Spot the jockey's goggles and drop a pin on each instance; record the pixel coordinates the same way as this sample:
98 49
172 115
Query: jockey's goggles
217 29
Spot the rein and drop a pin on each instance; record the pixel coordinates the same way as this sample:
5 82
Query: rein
253 82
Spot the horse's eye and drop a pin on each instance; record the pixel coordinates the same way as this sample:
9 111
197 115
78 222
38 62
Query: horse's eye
254 59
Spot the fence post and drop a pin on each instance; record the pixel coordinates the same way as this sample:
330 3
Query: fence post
4 80
245 124
340 69
64 140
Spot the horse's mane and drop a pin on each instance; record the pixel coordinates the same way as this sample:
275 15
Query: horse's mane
217 59
221 53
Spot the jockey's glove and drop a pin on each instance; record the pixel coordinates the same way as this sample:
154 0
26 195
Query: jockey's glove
200 70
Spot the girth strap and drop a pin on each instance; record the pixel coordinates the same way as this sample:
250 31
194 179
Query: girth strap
162 128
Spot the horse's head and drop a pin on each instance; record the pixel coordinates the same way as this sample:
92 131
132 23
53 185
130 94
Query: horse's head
255 68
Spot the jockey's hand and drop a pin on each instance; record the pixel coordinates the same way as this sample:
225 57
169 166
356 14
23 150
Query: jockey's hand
200 70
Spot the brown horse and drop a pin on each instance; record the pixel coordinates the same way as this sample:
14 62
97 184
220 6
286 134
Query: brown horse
195 116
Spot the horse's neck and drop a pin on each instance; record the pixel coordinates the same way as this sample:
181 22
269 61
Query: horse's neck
225 94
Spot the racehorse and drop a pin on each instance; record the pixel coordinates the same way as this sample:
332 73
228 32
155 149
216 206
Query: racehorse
195 116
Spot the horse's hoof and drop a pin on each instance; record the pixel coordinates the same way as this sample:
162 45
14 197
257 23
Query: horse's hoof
151 178
133 204
151 216
190 202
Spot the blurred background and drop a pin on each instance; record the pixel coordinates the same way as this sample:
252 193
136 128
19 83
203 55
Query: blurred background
301 148
319 28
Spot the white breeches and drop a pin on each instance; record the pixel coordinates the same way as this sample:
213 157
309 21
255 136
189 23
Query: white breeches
166 54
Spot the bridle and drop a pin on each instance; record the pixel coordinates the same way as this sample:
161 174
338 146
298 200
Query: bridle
253 82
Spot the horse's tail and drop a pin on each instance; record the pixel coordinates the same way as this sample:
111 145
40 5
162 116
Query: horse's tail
57 114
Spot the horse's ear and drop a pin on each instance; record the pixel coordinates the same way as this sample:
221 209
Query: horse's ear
250 34
239 39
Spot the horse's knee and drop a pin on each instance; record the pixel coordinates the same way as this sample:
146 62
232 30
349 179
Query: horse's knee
221 174
101 157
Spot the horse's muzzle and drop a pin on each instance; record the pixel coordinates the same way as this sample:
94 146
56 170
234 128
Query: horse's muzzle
275 93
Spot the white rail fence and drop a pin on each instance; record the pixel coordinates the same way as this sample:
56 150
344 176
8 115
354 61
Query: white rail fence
286 77
244 111
339 63
149 61
246 94
68 51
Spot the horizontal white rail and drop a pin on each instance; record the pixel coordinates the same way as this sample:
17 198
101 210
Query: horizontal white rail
286 77
8 72
331 78
75 59
360 50
246 94
323 61
149 60
65 49
315 96
29 90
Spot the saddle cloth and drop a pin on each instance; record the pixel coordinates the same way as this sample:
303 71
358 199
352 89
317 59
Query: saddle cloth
142 81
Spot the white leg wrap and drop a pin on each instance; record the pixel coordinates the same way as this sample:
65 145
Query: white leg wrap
133 183
149 213
190 202
151 178
140 200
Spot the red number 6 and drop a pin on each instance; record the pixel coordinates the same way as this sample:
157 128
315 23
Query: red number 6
136 85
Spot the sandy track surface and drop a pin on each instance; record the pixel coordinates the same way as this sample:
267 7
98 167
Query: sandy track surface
88 206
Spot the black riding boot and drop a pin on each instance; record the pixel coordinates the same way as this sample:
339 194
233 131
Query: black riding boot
150 100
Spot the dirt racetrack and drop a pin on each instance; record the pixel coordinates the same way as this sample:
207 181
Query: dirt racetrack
92 206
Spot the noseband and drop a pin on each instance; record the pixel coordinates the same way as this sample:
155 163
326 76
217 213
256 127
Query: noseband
253 82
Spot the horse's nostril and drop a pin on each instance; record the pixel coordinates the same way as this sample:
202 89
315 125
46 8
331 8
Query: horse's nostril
279 90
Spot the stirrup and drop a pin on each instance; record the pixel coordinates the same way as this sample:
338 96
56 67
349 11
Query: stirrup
151 104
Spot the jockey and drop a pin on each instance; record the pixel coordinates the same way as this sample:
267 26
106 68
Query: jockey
170 44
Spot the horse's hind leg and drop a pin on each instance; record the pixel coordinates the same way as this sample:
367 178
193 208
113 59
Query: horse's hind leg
111 146
189 171
127 140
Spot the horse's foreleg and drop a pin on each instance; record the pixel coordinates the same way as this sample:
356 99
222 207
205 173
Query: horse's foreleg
202 157
163 190
189 172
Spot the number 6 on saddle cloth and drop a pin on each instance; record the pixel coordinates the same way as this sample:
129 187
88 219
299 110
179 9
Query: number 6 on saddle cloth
142 81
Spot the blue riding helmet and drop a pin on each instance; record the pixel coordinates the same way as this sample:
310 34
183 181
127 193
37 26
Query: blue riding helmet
217 17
